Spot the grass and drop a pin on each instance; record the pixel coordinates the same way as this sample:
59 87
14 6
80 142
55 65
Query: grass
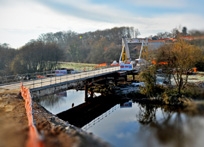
77 66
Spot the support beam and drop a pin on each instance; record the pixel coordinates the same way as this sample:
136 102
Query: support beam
133 77
92 93
86 92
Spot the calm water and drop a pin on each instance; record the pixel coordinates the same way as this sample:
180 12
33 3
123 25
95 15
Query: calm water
134 125
62 101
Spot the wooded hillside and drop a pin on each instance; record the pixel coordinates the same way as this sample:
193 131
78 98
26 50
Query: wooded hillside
91 47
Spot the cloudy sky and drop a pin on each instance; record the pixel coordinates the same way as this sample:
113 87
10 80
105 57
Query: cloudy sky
23 20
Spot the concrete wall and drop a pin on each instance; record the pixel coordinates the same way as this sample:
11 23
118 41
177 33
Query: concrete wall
47 90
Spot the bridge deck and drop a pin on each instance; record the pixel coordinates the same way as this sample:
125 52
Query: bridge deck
49 81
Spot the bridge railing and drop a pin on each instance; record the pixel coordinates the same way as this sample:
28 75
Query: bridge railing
9 79
101 117
46 81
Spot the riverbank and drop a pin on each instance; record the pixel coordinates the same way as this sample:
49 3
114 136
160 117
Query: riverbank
54 131
194 91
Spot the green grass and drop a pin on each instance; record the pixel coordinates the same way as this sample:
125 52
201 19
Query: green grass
77 66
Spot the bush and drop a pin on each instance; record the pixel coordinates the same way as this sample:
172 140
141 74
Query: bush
194 91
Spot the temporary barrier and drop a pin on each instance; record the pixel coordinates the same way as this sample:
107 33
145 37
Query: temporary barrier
101 65
34 139
126 67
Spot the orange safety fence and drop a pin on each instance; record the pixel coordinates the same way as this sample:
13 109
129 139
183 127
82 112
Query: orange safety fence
40 76
101 65
160 63
34 138
194 69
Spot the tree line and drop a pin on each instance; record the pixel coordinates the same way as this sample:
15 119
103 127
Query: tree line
48 49
45 52
33 57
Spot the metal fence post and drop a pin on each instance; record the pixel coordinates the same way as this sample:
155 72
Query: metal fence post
41 82
50 80
33 83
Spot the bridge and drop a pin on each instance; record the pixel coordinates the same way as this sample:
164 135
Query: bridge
50 85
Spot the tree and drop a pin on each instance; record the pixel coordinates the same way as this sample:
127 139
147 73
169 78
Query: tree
180 57
184 58
175 33
97 51
36 56
111 53
164 35
73 51
6 56
184 31
148 76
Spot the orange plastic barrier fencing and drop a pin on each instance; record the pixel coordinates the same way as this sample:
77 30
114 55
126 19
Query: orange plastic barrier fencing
160 63
194 69
34 138
101 65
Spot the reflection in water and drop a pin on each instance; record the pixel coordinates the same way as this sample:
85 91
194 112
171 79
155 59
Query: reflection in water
154 126
147 114
51 100
62 101
169 128
100 118
134 125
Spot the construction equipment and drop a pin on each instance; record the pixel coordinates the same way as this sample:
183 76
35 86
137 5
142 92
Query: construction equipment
125 60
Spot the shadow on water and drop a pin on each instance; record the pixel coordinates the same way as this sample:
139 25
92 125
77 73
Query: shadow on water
86 112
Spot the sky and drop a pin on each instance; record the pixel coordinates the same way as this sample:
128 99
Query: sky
24 20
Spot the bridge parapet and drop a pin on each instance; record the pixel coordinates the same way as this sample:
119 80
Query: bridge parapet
57 81
68 78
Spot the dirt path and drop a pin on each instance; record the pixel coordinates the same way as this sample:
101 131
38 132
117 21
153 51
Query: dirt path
54 132
13 120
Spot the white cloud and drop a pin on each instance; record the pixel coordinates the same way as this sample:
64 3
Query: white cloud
160 3
24 20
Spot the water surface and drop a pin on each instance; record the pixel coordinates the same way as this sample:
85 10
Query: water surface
62 101
134 125
144 126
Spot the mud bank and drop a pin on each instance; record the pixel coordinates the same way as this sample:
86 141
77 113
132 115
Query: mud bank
54 131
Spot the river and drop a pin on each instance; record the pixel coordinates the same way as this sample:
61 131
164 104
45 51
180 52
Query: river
131 124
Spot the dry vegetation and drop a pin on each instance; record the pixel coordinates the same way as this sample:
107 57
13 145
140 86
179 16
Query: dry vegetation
76 66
